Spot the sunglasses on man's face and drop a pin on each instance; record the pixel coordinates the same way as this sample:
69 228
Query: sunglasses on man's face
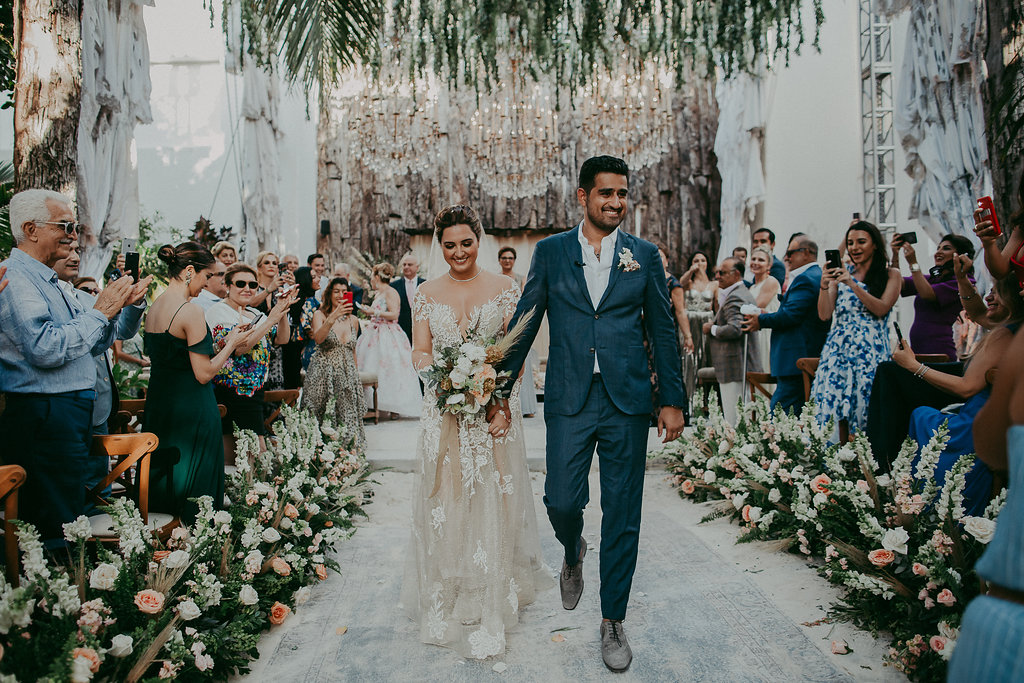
69 227
242 284
790 252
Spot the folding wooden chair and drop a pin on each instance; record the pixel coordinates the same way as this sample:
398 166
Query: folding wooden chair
757 380
808 366
278 397
368 379
707 381
11 478
132 452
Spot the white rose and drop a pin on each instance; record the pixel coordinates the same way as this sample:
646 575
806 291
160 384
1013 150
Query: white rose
188 610
103 577
312 508
896 540
883 480
254 561
302 595
750 448
774 496
820 499
120 645
178 558
710 477
222 517
455 399
847 454
738 501
270 535
286 523
464 365
329 432
981 528
81 670
247 595
754 513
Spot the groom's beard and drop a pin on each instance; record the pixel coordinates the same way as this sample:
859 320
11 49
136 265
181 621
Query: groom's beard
606 221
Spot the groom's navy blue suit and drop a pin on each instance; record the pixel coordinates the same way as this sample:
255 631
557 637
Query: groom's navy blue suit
610 410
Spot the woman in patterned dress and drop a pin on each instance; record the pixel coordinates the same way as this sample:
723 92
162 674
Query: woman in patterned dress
699 294
332 371
474 557
860 296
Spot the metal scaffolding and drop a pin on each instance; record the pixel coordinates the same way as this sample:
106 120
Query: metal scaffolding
878 139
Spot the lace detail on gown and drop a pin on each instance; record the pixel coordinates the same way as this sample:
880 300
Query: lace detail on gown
474 555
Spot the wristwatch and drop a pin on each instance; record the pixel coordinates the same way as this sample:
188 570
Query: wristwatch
915 268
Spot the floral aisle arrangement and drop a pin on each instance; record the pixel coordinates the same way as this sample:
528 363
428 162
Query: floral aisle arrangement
898 544
464 376
192 607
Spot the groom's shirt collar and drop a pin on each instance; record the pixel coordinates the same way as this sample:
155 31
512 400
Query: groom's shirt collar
607 248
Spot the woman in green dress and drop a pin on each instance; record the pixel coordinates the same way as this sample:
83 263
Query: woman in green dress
180 407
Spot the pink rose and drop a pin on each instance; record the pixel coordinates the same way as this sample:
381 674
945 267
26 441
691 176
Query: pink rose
149 601
820 483
929 603
278 613
87 653
938 643
321 571
945 597
687 487
290 511
280 566
863 486
839 647
919 569
881 558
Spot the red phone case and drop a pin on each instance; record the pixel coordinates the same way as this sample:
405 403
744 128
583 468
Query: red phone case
985 204
347 296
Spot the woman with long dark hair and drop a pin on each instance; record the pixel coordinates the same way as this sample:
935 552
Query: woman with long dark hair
300 347
699 294
936 294
180 406
860 296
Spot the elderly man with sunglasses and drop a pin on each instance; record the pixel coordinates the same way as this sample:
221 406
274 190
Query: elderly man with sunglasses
47 343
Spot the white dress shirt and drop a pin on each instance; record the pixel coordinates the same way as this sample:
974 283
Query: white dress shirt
410 289
597 271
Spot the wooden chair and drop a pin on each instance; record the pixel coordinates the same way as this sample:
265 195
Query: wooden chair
11 477
368 379
129 416
708 382
279 397
808 366
131 471
756 382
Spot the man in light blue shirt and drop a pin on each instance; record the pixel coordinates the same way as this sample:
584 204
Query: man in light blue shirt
47 342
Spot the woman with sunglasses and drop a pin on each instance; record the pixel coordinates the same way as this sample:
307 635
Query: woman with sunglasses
239 384
180 406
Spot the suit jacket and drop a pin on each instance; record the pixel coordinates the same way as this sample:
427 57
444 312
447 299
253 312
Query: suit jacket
405 312
727 344
797 331
634 306
127 324
778 270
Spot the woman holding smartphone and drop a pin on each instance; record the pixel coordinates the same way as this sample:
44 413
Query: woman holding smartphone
239 384
861 297
332 371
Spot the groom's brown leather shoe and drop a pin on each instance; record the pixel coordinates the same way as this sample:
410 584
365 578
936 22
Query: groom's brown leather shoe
571 580
614 647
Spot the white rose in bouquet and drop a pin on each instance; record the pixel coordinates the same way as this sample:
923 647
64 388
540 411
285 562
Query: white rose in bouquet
270 535
177 559
896 540
188 610
120 645
710 477
981 528
247 595
774 496
222 517
254 561
455 398
739 500
103 576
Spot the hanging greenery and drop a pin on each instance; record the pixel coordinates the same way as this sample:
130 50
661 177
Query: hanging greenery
466 42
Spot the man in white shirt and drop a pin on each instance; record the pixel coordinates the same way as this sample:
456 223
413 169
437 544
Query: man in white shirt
318 264
216 289
406 287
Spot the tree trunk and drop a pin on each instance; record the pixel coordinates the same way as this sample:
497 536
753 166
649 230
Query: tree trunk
1003 96
47 94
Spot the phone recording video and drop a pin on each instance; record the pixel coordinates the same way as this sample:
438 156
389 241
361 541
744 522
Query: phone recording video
899 333
989 213
908 237
832 259
131 258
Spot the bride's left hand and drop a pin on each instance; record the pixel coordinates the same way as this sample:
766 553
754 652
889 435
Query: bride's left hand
499 424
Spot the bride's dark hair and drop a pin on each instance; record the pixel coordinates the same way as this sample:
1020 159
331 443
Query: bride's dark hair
459 214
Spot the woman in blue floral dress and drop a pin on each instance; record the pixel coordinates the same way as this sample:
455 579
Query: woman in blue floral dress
860 298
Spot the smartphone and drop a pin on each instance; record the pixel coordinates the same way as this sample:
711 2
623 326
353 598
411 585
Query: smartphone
131 257
908 237
986 205
856 215
899 332
832 259
347 297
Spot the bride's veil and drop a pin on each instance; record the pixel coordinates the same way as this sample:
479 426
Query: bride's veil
487 257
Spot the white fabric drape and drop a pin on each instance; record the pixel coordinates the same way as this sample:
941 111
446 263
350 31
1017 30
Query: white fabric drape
261 174
939 115
743 104
115 97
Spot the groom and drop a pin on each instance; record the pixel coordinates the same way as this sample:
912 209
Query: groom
603 291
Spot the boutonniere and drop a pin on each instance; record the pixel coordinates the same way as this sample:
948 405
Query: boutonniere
627 262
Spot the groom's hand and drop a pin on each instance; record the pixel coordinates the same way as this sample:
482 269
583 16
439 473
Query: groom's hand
670 423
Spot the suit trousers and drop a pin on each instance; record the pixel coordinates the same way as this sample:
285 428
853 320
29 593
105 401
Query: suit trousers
731 394
789 394
50 436
621 442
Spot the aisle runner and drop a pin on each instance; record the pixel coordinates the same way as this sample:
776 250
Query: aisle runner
692 617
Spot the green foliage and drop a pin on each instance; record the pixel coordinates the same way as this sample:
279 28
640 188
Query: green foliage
130 381
8 59
6 192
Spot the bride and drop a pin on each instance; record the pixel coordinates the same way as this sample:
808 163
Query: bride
474 557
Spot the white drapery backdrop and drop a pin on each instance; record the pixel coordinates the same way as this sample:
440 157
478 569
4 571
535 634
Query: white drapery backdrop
115 97
744 101
938 112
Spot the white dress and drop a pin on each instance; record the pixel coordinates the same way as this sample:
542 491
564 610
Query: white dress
763 338
383 350
474 558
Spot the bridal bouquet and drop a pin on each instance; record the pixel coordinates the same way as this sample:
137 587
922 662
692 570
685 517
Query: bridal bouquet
464 376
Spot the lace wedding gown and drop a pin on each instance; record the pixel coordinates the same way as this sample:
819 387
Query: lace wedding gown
474 558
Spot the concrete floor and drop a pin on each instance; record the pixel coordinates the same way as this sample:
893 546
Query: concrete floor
701 609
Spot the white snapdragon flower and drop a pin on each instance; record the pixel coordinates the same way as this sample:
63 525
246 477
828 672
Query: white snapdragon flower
78 530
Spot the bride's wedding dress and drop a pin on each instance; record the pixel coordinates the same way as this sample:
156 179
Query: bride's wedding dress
474 559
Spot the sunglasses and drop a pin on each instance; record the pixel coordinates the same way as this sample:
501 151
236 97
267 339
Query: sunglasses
790 252
242 284
69 227
90 290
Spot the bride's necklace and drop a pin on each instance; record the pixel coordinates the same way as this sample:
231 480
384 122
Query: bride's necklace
468 279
